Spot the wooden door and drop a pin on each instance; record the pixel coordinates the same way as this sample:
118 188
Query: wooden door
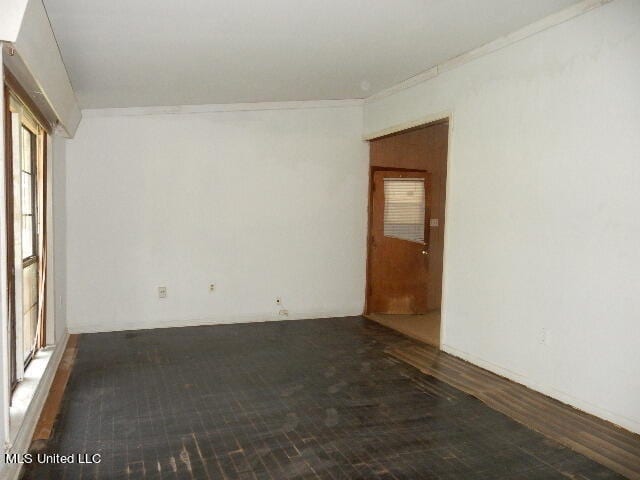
399 242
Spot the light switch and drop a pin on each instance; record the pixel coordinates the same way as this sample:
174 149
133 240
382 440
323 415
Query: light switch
434 222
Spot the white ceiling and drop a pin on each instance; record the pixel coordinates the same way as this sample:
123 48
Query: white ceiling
169 52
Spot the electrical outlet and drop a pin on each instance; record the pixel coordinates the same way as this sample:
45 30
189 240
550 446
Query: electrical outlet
278 301
212 287
283 313
162 292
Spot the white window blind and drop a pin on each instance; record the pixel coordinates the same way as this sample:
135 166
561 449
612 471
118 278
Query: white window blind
404 208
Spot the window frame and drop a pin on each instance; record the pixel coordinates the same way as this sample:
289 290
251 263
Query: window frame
21 112
26 261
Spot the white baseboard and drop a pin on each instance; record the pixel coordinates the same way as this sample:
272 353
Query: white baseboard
22 439
587 407
81 327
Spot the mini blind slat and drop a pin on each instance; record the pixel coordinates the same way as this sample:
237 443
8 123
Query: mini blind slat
404 208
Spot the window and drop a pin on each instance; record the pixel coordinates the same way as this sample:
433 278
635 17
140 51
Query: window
28 191
25 213
404 208
29 241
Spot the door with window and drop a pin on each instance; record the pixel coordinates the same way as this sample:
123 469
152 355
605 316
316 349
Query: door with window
399 243
25 208
29 240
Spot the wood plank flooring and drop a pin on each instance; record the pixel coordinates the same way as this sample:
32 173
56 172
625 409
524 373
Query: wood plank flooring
425 328
604 442
49 413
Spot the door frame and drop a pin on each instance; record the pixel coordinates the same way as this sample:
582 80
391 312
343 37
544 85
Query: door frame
394 130
18 106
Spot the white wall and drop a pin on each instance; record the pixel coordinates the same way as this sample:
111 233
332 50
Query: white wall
262 203
543 208
59 277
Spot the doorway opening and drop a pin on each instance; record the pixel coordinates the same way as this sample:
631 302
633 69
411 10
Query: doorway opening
407 197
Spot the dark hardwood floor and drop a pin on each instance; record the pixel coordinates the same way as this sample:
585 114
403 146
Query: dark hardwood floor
282 400
602 441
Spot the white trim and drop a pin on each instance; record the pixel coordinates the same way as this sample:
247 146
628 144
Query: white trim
590 408
221 107
408 83
22 440
547 22
445 235
5 387
50 297
407 125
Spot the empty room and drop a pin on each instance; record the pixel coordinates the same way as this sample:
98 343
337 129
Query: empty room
303 239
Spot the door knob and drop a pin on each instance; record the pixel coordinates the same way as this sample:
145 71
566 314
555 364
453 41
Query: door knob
425 252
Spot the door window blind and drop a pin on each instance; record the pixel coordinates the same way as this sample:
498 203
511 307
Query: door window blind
404 208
